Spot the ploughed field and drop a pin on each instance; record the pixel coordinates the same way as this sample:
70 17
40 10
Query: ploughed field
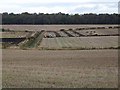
84 37
60 68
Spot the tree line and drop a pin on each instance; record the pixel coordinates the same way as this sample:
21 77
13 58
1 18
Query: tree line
59 18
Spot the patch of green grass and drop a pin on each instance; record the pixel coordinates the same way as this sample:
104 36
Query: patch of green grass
33 41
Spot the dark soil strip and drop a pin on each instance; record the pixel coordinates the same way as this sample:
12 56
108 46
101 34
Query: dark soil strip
103 35
57 34
12 40
70 35
77 33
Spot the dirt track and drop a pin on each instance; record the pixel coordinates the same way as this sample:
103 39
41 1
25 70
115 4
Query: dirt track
36 69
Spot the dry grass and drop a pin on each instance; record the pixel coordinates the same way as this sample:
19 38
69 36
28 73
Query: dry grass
12 34
33 68
79 42
61 68
72 43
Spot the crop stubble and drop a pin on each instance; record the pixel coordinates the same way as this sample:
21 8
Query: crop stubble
66 68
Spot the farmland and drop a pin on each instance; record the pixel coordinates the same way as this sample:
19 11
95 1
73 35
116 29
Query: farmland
48 27
79 43
81 37
13 34
58 56
60 68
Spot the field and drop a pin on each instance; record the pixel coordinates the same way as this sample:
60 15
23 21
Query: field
81 37
79 42
12 34
60 56
60 69
49 27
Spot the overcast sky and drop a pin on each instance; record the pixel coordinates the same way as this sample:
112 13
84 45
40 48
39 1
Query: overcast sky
55 6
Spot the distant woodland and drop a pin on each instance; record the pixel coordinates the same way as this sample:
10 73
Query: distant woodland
59 18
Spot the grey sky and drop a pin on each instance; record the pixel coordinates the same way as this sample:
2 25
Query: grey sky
55 6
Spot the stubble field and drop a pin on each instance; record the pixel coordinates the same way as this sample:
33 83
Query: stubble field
60 69
60 56
48 27
79 42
